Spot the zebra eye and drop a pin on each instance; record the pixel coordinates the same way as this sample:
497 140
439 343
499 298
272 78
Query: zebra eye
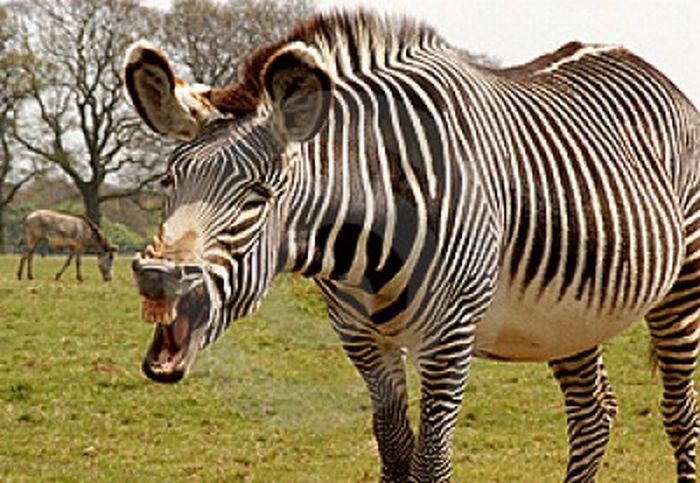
257 197
262 190
254 201
166 180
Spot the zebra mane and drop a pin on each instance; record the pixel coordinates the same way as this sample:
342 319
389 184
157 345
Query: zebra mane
362 32
344 39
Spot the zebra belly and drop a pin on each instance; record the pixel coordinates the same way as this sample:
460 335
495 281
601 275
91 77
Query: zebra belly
519 328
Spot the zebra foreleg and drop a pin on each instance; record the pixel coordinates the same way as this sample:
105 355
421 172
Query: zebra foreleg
443 365
384 373
676 349
590 409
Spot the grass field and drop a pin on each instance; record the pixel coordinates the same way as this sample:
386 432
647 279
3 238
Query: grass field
275 400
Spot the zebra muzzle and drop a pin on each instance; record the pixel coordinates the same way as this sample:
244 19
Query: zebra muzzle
176 301
161 282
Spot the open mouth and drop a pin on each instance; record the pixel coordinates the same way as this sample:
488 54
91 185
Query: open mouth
175 341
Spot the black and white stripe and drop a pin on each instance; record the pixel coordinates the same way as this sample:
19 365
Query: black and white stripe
439 189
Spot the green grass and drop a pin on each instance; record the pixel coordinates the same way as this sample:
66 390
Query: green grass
275 400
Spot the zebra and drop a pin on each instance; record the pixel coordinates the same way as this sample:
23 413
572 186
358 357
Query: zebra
445 209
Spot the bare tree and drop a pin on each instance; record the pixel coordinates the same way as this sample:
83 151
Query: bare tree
13 88
77 119
211 38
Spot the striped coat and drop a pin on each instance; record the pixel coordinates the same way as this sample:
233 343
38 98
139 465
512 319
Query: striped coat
445 210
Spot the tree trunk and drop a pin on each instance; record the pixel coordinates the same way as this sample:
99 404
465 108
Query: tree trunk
91 201
2 228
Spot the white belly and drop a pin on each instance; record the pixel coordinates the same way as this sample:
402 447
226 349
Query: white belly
528 328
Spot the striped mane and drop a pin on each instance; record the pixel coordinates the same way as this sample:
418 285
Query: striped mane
342 38
351 42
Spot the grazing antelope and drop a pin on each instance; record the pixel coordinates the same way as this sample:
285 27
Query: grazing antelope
61 230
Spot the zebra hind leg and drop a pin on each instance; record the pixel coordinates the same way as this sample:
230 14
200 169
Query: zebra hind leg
675 342
383 371
590 409
675 327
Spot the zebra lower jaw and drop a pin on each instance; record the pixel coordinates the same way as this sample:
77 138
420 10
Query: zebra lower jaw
176 300
166 357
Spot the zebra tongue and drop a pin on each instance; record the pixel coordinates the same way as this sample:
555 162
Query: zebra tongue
175 337
179 330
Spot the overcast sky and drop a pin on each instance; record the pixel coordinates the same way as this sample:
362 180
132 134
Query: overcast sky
664 32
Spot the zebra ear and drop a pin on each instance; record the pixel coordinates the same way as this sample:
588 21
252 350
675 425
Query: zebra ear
166 103
300 91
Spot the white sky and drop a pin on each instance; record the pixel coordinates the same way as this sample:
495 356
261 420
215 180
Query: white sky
664 32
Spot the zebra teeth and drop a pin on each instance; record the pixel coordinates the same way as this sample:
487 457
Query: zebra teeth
158 311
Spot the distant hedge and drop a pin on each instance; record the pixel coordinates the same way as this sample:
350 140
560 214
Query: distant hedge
120 234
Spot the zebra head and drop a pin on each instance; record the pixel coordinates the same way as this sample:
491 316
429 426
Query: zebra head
217 247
